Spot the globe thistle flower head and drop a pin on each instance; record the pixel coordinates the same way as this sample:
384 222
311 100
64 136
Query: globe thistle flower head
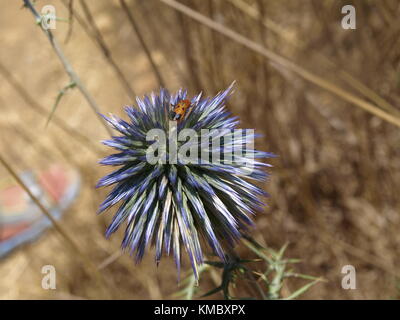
172 202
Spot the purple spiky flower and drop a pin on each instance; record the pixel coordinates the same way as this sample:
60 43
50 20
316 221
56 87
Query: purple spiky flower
168 203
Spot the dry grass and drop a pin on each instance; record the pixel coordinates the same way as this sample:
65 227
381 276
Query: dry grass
335 186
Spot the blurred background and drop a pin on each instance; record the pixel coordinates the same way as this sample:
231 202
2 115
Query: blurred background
335 187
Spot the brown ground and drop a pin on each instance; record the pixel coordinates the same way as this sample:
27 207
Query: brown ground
334 189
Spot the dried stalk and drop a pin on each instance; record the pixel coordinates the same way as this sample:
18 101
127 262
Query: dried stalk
98 38
92 270
139 35
67 66
59 122
284 62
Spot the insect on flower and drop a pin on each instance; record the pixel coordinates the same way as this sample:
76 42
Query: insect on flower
199 205
179 111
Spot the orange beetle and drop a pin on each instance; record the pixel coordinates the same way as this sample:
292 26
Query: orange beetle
180 110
